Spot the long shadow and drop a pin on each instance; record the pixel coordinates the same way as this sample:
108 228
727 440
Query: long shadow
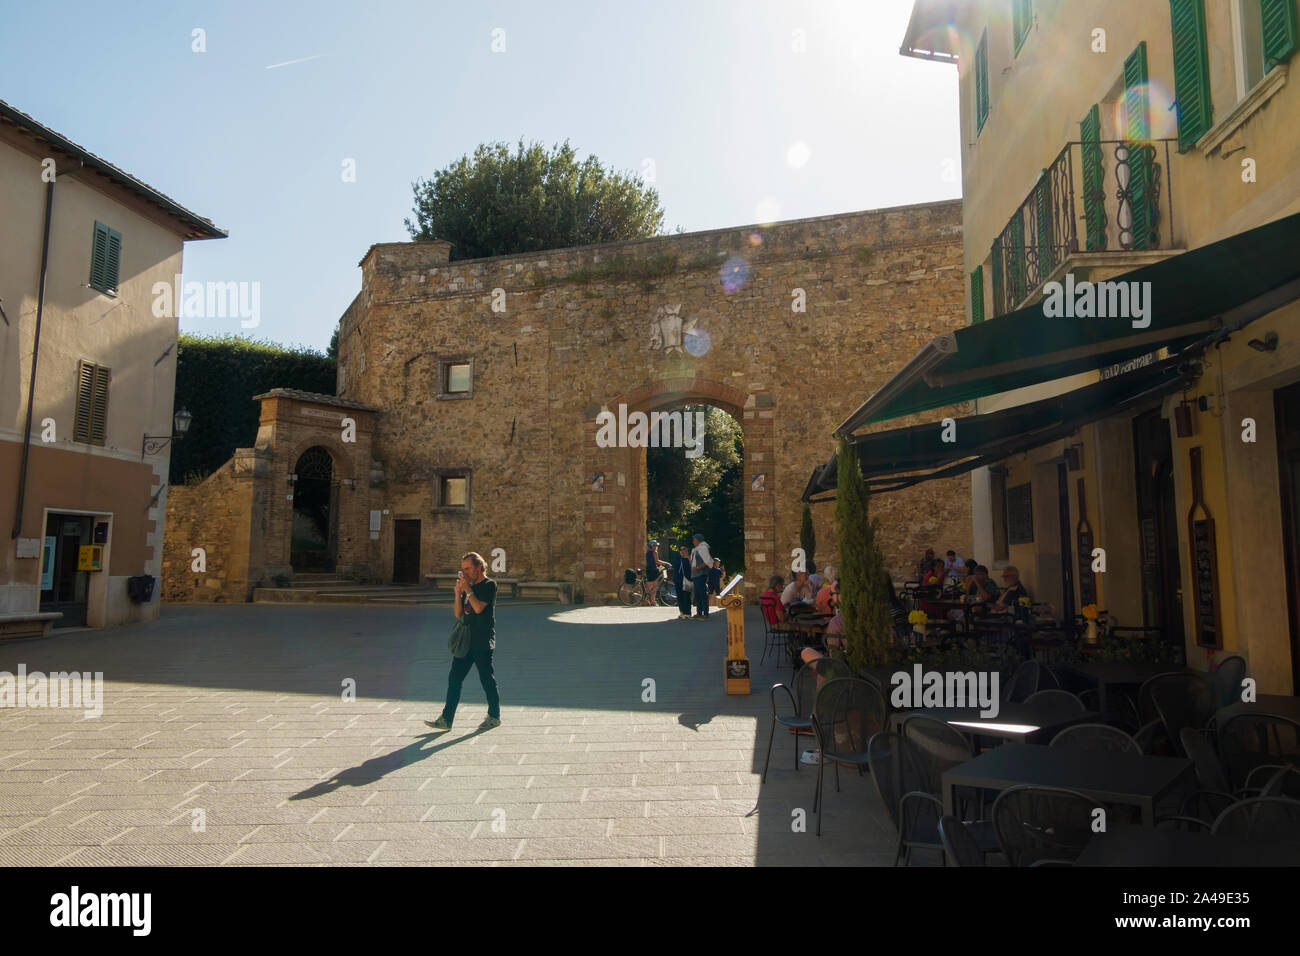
377 767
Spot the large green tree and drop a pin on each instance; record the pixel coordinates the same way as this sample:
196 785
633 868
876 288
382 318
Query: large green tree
499 202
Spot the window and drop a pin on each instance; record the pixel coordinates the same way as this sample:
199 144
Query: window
455 376
1191 71
982 82
451 489
105 258
1278 24
1022 18
977 295
1250 45
1020 514
92 403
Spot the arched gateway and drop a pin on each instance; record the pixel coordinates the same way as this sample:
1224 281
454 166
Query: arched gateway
480 388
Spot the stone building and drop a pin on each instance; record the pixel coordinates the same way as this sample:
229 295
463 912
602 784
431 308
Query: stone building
475 388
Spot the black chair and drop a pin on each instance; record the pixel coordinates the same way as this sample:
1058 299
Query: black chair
1042 823
1023 682
1096 737
1214 793
806 683
1180 704
958 843
1146 706
1153 740
1227 679
1056 706
1252 741
896 773
1047 679
1272 819
939 747
1285 782
774 638
847 713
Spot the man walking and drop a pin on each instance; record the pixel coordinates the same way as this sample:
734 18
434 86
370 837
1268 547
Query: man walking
681 578
701 564
475 601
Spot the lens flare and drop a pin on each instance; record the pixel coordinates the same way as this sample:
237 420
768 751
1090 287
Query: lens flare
734 274
797 155
767 211
1162 117
697 342
755 238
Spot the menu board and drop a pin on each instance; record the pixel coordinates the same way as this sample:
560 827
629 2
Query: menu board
1205 579
1087 580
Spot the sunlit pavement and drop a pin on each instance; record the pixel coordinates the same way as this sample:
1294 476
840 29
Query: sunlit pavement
225 739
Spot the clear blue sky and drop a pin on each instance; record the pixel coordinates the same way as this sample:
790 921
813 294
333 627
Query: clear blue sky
710 90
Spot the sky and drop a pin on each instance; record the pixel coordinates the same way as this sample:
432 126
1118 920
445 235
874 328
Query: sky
255 132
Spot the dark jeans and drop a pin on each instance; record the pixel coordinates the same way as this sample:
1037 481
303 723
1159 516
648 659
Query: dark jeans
683 599
700 590
480 657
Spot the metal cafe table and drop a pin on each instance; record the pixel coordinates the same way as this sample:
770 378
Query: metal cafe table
1123 778
1108 674
1022 722
1140 846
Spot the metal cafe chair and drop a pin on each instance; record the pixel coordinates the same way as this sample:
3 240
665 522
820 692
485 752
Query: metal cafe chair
896 773
1272 819
1227 678
806 683
1042 823
958 843
847 713
1096 737
1251 741
1023 682
939 747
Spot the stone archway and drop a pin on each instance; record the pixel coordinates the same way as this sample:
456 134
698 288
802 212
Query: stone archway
615 505
313 543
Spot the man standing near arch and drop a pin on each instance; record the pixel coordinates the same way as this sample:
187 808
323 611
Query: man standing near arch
475 600
701 565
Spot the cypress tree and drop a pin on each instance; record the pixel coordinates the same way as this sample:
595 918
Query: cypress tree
867 625
808 539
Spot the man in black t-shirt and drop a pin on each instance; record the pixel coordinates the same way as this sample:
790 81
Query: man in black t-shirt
475 602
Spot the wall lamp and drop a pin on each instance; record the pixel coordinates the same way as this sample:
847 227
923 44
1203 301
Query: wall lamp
151 444
1267 344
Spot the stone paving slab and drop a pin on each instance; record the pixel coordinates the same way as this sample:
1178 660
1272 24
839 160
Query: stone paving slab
236 711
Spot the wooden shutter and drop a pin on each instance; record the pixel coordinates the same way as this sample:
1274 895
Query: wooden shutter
1043 209
1016 260
99 406
1191 71
1280 29
105 258
85 396
1022 17
998 288
1094 180
977 295
982 82
1137 108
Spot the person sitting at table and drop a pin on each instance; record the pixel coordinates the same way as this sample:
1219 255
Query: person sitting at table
770 602
923 566
954 568
1013 591
798 591
831 587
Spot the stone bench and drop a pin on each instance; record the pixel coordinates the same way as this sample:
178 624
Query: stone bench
446 580
561 591
14 624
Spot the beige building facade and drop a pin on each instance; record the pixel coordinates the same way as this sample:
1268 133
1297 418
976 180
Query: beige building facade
82 502
1100 139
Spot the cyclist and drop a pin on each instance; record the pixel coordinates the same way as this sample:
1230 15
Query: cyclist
654 571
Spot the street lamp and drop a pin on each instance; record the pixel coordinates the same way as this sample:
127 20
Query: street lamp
156 443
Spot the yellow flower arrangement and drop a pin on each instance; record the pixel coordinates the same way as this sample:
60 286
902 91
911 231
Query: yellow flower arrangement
1025 602
1090 612
917 617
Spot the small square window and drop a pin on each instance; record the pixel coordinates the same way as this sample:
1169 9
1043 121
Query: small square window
455 376
458 377
455 492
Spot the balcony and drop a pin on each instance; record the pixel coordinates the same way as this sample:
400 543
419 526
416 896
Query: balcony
1102 204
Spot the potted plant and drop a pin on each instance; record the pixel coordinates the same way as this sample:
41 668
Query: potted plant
920 622
1090 633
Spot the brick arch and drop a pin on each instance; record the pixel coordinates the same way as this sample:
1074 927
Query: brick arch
331 445
614 520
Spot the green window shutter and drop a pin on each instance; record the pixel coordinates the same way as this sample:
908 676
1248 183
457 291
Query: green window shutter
113 259
982 82
1281 30
105 258
1094 181
99 406
1137 108
977 295
998 288
1043 210
1016 260
85 398
1022 17
1191 71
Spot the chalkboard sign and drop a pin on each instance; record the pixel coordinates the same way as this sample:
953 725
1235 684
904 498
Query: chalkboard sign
1083 532
1020 514
1205 571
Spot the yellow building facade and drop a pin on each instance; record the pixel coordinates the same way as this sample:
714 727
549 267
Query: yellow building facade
1099 139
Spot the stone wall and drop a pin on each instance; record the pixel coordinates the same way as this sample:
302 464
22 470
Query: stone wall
576 337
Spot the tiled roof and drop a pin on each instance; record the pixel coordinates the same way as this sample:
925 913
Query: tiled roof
316 398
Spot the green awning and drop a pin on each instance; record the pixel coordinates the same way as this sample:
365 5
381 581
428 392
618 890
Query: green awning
904 457
1235 280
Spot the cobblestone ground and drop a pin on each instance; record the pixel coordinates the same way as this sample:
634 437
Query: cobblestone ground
233 716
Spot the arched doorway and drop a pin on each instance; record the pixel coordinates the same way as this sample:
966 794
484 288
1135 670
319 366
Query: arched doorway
314 536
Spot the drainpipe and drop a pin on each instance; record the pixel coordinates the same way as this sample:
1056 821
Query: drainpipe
36 351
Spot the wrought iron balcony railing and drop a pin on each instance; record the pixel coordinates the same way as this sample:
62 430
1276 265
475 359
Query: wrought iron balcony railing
1117 191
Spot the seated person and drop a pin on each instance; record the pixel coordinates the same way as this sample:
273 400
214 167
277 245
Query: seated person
770 602
932 579
981 592
1009 599
831 587
798 591
923 566
954 568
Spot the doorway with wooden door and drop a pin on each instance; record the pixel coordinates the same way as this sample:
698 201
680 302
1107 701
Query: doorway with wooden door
406 551
1162 574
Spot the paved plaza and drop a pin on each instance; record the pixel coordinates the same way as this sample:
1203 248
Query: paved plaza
238 712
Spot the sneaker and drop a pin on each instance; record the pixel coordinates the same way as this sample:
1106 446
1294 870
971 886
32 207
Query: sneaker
490 723
439 724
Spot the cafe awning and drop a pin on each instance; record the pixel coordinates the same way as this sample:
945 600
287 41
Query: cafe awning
903 457
1222 284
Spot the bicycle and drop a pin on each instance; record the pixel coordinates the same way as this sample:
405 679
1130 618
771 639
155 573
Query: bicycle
637 593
